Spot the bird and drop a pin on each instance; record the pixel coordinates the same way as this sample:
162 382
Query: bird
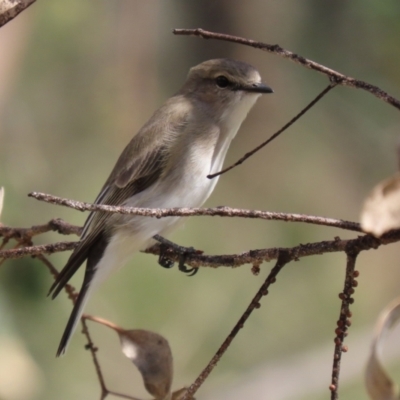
165 165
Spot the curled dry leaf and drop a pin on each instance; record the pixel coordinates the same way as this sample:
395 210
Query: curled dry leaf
151 354
379 384
381 211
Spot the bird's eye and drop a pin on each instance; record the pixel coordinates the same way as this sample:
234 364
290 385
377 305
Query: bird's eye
222 81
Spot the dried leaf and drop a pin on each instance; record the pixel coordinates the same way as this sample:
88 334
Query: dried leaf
151 354
379 384
381 211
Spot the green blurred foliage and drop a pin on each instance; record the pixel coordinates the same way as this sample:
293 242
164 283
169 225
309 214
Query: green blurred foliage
90 73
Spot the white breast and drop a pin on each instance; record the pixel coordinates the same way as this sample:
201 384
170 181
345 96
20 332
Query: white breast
189 186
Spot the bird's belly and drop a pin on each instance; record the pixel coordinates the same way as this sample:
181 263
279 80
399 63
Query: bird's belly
132 233
182 189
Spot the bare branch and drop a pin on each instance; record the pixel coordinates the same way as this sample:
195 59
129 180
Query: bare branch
283 259
93 350
333 75
344 321
56 225
190 212
196 260
9 9
37 250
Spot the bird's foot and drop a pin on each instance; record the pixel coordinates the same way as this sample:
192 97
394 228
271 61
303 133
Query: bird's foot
163 259
182 259
183 252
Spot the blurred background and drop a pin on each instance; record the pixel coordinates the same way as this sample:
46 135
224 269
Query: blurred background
79 78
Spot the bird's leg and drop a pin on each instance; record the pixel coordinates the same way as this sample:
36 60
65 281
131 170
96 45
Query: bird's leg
183 252
163 259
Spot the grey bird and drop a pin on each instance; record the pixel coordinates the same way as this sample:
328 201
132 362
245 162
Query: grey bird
165 165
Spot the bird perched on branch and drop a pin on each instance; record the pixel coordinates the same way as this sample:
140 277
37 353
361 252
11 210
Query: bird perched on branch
165 165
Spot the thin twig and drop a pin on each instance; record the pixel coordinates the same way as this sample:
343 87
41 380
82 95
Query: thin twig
283 259
37 250
103 321
56 225
25 235
93 350
344 321
9 9
276 134
337 77
196 211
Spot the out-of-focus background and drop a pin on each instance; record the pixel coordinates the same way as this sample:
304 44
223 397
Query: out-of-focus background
79 78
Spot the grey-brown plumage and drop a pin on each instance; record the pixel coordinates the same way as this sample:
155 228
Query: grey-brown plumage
165 165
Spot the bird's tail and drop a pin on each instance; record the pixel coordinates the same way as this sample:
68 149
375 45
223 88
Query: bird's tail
94 254
74 318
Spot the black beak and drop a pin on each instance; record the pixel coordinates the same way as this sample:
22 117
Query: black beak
257 88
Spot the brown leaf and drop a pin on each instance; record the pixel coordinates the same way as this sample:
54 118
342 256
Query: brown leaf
151 354
379 384
381 211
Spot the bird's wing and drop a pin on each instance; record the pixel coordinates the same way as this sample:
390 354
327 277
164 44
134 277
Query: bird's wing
130 176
